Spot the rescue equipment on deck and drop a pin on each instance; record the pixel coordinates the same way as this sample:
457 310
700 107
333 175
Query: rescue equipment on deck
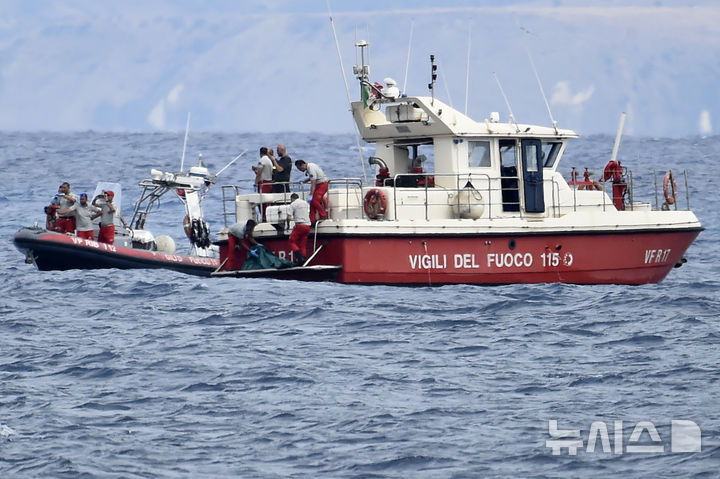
375 204
467 203
614 171
670 188
197 231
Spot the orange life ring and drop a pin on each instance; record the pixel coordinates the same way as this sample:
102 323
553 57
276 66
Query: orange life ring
375 204
670 188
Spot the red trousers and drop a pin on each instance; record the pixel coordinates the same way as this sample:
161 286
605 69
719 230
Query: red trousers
107 234
298 239
66 224
86 235
317 205
264 187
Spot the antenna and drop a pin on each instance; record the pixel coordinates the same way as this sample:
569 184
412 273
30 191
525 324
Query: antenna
231 162
187 129
347 89
447 88
467 69
537 77
407 64
433 77
512 117
337 47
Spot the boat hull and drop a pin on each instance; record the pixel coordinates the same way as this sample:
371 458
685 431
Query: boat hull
54 251
615 257
298 273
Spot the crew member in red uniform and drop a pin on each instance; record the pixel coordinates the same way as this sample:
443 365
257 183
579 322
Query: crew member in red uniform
299 212
65 222
318 189
84 213
107 216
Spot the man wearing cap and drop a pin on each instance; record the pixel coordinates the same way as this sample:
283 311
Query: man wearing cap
107 216
84 213
64 199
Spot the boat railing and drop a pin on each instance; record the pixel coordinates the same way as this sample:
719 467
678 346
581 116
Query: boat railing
576 186
425 180
352 186
229 193
500 199
302 188
659 187
149 198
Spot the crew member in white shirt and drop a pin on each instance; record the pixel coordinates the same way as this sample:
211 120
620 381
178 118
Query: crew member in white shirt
318 189
263 172
263 176
299 212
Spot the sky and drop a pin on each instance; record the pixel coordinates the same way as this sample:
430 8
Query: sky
273 66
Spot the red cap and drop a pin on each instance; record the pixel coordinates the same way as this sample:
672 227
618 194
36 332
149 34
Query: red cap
110 193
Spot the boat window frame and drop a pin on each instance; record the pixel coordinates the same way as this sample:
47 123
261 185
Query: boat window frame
487 155
550 157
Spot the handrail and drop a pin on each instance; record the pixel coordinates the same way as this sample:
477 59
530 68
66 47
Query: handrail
351 199
226 200
347 182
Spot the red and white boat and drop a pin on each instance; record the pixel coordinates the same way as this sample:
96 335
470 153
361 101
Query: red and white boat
134 247
463 201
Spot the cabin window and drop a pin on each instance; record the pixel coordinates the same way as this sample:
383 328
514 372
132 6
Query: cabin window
420 157
479 154
550 153
531 157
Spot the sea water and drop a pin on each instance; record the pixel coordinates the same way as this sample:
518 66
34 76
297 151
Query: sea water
152 373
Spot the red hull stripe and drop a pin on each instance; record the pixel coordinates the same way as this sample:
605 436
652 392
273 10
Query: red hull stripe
616 257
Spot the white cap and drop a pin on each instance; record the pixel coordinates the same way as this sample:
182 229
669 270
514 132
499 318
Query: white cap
389 81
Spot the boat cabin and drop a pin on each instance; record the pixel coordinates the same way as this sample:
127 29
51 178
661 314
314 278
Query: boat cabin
421 142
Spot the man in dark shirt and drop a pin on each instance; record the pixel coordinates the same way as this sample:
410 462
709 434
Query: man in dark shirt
281 173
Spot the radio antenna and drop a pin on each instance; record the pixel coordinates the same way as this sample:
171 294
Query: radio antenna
407 64
537 76
467 69
347 89
447 88
337 47
231 162
512 117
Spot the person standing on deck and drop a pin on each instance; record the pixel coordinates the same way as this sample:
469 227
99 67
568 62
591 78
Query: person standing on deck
84 213
263 177
318 188
281 173
263 172
299 212
107 216
65 199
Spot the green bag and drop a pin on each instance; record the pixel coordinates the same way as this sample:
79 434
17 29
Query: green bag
259 257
